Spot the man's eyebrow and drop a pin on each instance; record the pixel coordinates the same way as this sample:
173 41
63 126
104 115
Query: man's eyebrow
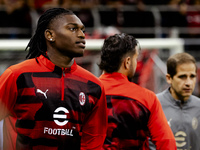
75 24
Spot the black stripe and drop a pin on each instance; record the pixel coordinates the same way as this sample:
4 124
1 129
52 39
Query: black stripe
61 143
68 143
43 141
94 89
27 124
110 97
27 100
48 74
119 97
109 104
24 81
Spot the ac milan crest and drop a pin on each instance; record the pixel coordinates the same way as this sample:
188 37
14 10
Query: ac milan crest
82 98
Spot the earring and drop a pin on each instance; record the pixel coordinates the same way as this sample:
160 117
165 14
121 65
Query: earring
51 39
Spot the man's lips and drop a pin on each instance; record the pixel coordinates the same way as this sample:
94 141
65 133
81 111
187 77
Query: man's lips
81 43
187 90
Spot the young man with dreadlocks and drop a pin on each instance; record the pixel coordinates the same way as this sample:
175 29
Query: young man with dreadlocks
48 101
134 113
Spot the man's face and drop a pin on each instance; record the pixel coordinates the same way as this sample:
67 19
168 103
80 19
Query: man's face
183 82
69 36
133 64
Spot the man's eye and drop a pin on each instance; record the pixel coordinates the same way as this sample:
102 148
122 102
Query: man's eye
193 76
72 29
182 77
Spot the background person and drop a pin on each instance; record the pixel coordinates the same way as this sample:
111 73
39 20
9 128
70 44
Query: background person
134 113
17 21
181 108
48 101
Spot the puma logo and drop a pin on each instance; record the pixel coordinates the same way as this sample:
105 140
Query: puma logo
41 92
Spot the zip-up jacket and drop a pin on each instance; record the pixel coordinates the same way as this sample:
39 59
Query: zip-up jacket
184 120
134 115
47 107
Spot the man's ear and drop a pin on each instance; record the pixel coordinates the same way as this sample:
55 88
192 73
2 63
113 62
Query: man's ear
49 35
168 78
127 62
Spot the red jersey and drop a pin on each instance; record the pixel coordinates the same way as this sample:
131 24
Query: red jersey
134 115
47 107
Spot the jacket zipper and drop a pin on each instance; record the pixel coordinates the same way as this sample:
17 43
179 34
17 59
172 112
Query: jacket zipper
63 85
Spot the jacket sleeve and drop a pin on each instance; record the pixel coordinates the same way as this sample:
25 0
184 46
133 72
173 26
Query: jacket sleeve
95 126
8 93
161 133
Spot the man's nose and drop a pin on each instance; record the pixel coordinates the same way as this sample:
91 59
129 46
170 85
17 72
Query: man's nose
81 34
188 81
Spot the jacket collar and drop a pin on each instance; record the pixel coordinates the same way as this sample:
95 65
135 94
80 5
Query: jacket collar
46 62
175 101
115 75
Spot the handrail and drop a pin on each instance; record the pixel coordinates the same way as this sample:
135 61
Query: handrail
177 45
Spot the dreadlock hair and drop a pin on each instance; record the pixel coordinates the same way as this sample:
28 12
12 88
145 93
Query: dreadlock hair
37 44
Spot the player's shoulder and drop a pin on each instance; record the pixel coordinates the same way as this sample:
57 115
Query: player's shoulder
22 66
83 73
162 93
195 97
142 89
145 96
143 93
165 98
14 71
195 100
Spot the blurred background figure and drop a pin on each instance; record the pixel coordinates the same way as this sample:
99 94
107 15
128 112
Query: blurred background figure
16 20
